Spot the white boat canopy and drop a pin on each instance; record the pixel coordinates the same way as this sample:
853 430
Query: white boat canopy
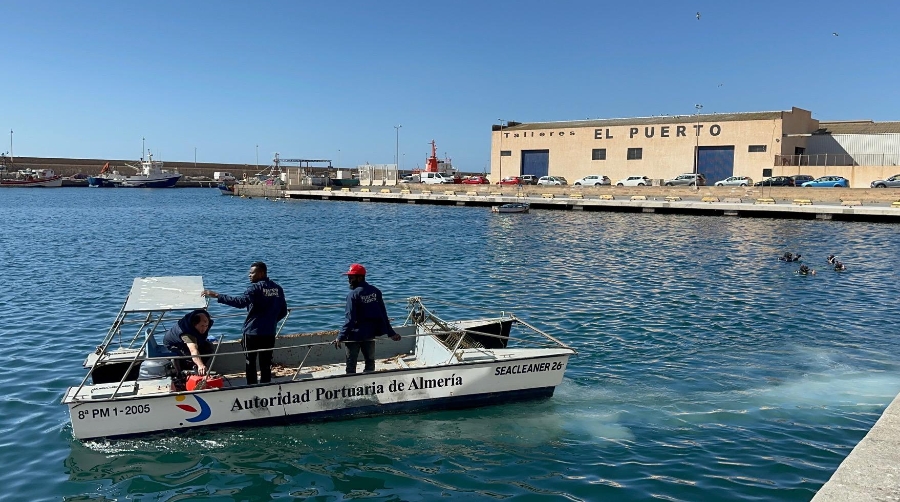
151 294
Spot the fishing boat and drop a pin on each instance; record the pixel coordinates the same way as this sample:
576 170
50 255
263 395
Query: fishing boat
33 178
226 189
104 178
130 389
150 174
512 207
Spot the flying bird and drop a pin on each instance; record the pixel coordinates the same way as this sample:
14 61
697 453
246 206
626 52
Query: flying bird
834 33
720 85
698 16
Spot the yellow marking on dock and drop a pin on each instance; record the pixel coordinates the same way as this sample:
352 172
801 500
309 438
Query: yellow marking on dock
802 202
765 201
638 197
851 202
712 199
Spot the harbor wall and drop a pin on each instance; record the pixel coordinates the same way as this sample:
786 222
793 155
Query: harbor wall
71 167
784 194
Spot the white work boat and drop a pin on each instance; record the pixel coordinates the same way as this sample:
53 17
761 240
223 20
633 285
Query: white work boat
439 364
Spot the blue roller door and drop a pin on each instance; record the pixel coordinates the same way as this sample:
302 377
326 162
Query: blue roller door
535 162
716 162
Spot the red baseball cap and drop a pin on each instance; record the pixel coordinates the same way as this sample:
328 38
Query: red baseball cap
356 269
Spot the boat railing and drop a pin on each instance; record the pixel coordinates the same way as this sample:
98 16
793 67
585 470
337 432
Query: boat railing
427 322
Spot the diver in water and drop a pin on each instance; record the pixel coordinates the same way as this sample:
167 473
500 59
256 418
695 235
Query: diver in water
838 266
790 257
831 259
804 270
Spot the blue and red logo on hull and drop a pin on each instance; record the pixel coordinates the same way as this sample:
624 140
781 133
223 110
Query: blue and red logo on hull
202 410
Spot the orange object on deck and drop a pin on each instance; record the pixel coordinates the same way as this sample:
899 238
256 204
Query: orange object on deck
197 382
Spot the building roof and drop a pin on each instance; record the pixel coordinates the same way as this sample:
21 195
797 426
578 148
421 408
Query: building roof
662 119
857 127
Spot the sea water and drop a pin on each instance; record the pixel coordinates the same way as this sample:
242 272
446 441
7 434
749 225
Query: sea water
706 368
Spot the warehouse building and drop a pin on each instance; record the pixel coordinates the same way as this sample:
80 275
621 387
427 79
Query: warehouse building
754 144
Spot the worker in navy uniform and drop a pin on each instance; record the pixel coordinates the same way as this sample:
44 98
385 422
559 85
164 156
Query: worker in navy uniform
366 318
265 304
188 338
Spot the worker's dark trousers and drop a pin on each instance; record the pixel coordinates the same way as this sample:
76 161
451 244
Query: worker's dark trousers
368 349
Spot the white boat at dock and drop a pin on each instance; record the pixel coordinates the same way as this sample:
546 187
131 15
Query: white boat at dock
438 364
512 207
32 178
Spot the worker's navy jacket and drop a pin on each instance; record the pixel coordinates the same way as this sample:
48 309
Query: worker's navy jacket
265 305
173 340
366 316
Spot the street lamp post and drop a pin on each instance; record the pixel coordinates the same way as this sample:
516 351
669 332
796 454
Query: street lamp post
257 158
697 150
11 156
397 148
143 149
195 160
500 163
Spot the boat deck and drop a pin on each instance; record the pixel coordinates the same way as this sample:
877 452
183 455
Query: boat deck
281 373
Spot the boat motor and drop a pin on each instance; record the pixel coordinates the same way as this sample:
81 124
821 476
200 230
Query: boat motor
155 369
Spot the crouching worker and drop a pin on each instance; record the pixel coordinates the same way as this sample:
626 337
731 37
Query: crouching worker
189 338
365 319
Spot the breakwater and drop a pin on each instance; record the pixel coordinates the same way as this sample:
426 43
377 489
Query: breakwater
840 204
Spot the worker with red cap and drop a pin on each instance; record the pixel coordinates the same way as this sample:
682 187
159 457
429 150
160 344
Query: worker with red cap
366 319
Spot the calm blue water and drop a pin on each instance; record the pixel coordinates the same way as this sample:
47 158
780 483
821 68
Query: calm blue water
707 370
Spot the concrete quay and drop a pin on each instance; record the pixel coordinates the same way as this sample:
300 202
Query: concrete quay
790 203
872 470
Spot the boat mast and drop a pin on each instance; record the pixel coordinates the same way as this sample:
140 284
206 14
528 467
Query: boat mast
10 147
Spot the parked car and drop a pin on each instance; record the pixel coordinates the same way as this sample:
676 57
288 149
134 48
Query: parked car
776 181
476 180
740 181
828 181
529 179
634 181
431 178
800 179
593 180
689 179
552 180
892 182
511 180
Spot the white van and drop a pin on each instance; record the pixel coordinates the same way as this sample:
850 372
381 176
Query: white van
435 179
222 176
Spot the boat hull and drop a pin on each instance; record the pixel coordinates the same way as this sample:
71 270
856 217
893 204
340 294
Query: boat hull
459 385
97 181
143 182
53 182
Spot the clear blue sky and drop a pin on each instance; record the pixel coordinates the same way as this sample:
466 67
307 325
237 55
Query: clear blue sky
331 79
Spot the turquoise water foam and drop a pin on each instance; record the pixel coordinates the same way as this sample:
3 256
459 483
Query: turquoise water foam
707 370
